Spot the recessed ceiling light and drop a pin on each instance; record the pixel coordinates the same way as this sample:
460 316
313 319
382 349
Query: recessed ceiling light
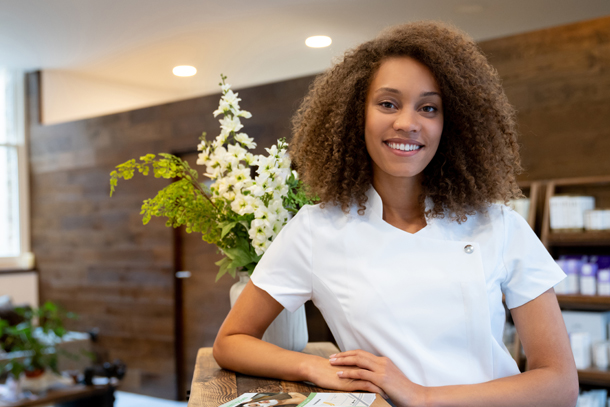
318 41
184 70
469 8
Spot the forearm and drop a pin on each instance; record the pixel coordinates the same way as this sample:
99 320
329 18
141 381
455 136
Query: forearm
538 387
247 354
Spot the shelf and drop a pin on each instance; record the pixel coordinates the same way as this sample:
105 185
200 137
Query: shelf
594 377
584 302
597 238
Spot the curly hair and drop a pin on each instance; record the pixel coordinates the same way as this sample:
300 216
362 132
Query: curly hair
478 156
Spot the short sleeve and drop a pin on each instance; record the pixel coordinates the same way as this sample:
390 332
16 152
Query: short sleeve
285 270
530 268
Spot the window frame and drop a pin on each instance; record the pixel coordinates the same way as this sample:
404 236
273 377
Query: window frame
25 259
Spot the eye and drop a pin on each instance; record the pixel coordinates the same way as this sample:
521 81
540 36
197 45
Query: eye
429 109
387 105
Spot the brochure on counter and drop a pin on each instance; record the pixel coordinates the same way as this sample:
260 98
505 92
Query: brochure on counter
295 399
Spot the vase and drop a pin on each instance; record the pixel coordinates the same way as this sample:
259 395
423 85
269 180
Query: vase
288 330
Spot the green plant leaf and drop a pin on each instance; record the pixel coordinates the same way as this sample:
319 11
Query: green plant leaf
224 266
226 228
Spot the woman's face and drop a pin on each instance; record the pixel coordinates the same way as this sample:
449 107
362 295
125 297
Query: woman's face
403 118
262 403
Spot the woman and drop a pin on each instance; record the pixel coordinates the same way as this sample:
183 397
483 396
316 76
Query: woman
408 142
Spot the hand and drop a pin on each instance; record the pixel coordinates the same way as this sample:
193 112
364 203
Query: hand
322 374
380 372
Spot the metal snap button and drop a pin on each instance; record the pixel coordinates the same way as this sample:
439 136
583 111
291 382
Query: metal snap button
468 249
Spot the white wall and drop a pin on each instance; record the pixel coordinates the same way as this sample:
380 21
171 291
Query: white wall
21 287
67 96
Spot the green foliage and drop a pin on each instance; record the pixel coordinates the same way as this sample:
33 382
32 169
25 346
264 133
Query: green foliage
38 350
186 202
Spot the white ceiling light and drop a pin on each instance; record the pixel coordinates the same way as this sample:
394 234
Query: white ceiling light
184 70
318 41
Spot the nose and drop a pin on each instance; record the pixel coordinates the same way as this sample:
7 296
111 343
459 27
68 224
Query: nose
408 121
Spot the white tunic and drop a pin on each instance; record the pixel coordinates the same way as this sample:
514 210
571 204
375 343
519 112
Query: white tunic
431 301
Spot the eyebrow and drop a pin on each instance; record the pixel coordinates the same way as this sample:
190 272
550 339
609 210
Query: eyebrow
396 91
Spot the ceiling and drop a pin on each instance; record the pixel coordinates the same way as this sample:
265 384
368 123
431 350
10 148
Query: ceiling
138 42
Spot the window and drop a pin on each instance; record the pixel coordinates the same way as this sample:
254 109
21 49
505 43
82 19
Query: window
14 204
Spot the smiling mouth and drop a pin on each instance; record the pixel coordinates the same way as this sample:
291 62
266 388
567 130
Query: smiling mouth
403 146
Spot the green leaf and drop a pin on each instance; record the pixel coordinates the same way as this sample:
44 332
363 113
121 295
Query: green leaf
224 265
226 228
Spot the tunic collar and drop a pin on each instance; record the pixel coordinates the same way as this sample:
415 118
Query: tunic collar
375 204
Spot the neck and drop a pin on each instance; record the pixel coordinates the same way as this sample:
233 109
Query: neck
400 197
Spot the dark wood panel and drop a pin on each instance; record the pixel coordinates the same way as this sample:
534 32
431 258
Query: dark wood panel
559 82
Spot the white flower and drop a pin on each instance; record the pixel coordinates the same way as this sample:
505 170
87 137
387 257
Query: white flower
266 165
281 189
245 140
277 226
242 178
263 213
230 124
240 205
222 186
203 157
272 150
259 230
229 196
223 108
220 140
230 168
253 203
260 246
231 99
237 151
257 189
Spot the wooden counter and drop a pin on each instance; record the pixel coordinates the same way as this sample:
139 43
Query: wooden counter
213 386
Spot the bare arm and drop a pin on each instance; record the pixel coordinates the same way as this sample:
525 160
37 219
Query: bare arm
551 381
238 347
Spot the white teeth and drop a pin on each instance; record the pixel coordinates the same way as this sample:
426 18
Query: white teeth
404 147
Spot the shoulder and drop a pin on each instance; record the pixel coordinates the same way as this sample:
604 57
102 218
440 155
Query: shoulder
486 223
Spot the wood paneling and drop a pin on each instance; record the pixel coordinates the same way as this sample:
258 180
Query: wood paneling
559 81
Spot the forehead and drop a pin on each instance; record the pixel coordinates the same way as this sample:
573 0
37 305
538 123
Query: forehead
405 74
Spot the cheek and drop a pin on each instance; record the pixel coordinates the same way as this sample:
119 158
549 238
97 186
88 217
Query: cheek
437 131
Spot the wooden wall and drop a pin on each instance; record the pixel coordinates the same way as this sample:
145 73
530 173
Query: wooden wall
93 253
559 81
96 258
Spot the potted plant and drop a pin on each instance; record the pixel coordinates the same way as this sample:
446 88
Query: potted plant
239 213
30 344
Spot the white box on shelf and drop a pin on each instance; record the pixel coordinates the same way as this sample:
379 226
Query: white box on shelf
595 323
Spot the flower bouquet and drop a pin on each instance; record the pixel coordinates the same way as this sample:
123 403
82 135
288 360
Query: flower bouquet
247 200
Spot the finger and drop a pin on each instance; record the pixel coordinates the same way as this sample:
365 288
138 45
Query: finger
362 385
362 362
353 352
358 374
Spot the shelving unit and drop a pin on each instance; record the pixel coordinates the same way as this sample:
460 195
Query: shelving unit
597 186
572 242
531 189
584 302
